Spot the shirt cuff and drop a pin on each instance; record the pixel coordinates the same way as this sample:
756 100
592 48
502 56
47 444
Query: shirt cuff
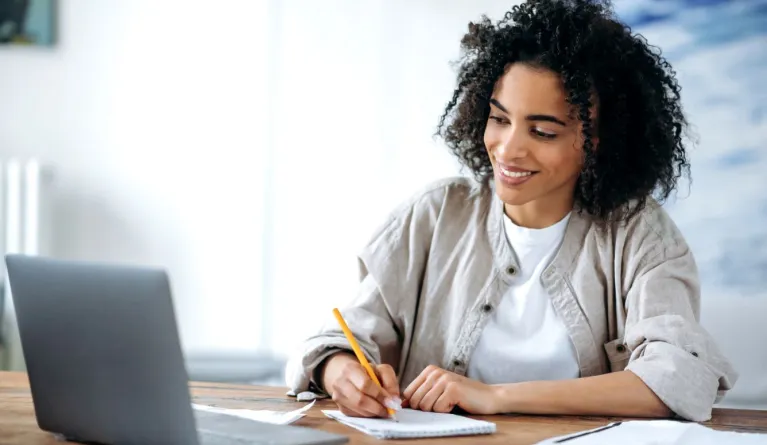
301 369
684 382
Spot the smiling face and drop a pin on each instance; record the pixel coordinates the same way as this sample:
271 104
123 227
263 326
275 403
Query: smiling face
535 147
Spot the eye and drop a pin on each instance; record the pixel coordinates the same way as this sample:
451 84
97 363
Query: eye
499 120
543 134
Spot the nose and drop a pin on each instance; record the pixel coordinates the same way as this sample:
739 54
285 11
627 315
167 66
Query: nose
513 145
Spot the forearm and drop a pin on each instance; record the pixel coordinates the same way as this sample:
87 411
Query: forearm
620 394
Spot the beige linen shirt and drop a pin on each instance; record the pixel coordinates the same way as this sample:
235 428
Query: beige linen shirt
628 294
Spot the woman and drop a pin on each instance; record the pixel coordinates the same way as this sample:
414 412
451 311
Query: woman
552 282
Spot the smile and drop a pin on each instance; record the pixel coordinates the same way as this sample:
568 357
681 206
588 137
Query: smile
515 174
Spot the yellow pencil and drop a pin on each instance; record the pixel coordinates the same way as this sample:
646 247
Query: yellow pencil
360 355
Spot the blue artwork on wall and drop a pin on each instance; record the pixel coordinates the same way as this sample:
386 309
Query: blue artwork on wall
719 50
27 22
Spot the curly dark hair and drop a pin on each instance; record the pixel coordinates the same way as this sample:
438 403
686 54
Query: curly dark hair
640 121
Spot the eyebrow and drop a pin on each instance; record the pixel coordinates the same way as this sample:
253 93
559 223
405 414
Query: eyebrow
531 117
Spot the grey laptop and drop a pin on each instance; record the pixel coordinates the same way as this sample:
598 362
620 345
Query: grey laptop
105 364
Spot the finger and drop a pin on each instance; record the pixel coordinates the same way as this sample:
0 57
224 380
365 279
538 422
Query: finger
367 386
431 397
370 405
388 380
415 384
420 393
366 396
353 399
349 412
446 401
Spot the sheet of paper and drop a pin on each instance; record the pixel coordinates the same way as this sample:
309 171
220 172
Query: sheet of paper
412 424
267 416
657 432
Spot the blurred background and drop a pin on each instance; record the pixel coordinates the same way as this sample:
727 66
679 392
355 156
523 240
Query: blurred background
250 147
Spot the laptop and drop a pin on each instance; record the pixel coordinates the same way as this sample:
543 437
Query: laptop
105 364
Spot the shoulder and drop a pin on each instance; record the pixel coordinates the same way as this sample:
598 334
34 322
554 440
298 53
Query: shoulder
653 223
452 195
446 192
648 236
457 199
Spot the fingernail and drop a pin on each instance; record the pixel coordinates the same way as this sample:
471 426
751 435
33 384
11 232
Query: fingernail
394 403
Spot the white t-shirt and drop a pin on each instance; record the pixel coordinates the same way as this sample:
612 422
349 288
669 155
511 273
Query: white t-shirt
524 339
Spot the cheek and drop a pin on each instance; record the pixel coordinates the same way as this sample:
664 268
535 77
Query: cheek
563 160
491 137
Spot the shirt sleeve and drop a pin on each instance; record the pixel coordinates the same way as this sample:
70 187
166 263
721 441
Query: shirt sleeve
380 316
372 326
670 351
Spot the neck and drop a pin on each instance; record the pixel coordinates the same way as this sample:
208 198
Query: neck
539 214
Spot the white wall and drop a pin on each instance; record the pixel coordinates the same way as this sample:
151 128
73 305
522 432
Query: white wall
153 116
166 120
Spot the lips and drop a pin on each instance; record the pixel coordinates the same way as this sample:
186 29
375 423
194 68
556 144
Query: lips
515 172
513 176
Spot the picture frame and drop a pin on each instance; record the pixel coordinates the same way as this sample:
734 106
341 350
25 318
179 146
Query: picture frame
28 22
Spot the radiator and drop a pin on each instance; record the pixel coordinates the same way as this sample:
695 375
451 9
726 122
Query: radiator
25 228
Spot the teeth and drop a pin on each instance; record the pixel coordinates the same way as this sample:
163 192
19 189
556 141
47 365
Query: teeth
515 174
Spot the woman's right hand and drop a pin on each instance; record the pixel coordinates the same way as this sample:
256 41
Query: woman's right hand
355 393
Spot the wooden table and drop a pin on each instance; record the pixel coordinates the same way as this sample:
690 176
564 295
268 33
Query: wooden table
19 427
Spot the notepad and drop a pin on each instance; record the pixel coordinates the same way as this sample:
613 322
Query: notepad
415 424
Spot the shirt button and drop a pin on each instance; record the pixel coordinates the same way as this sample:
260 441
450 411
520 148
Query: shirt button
620 348
487 308
694 354
457 363
511 270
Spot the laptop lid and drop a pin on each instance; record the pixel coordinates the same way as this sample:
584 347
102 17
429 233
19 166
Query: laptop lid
102 351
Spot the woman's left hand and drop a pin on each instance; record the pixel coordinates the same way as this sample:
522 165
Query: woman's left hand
440 391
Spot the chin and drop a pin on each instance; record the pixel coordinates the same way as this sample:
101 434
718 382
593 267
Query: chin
510 196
